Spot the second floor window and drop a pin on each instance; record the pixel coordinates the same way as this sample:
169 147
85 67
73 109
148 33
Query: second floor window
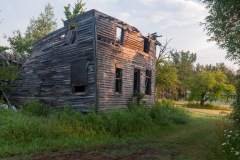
146 47
119 35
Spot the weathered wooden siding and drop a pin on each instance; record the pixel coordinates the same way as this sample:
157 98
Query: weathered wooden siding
9 59
128 56
46 74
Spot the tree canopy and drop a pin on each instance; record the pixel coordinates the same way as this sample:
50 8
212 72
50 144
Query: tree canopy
210 86
223 25
166 80
21 44
76 10
184 62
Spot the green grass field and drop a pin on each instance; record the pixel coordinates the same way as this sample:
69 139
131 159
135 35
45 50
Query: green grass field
195 140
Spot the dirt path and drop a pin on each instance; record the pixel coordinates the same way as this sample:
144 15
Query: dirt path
207 111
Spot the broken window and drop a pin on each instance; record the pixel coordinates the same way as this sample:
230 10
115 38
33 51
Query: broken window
146 47
136 82
71 34
119 35
118 80
148 82
79 89
79 76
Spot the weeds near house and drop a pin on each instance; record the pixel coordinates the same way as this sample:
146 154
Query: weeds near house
164 112
36 127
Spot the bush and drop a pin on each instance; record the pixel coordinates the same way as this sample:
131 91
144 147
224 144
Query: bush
137 101
127 122
35 108
228 138
164 112
18 128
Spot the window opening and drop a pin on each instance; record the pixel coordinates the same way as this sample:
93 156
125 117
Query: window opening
79 89
71 34
146 47
136 85
148 82
119 35
118 79
79 75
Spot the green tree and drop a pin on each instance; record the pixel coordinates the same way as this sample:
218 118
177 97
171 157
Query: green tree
210 86
166 80
184 62
2 48
42 25
230 73
45 23
76 10
222 25
20 45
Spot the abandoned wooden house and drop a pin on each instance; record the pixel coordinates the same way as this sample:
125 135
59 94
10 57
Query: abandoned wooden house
94 62
7 59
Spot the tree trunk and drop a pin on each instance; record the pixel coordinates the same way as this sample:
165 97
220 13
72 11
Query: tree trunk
201 102
202 99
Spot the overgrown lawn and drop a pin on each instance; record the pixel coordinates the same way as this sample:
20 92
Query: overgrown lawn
36 128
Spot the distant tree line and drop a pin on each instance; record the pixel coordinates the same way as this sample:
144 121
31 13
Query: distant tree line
179 78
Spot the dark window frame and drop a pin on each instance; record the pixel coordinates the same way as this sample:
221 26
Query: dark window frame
137 80
148 82
146 45
121 41
118 80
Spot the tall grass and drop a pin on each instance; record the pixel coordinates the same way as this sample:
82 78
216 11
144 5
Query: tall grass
228 140
208 106
36 127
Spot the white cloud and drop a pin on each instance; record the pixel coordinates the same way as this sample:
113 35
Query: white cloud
177 19
124 16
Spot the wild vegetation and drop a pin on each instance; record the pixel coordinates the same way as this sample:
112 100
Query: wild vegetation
76 10
37 128
222 26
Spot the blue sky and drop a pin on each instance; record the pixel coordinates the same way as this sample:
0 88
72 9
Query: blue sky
177 19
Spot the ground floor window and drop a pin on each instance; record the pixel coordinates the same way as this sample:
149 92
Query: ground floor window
136 82
148 82
118 80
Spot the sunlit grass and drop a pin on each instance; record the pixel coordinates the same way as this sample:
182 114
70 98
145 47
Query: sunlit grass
211 106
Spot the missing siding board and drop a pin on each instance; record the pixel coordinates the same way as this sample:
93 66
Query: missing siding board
118 80
148 82
119 35
146 47
79 75
71 34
